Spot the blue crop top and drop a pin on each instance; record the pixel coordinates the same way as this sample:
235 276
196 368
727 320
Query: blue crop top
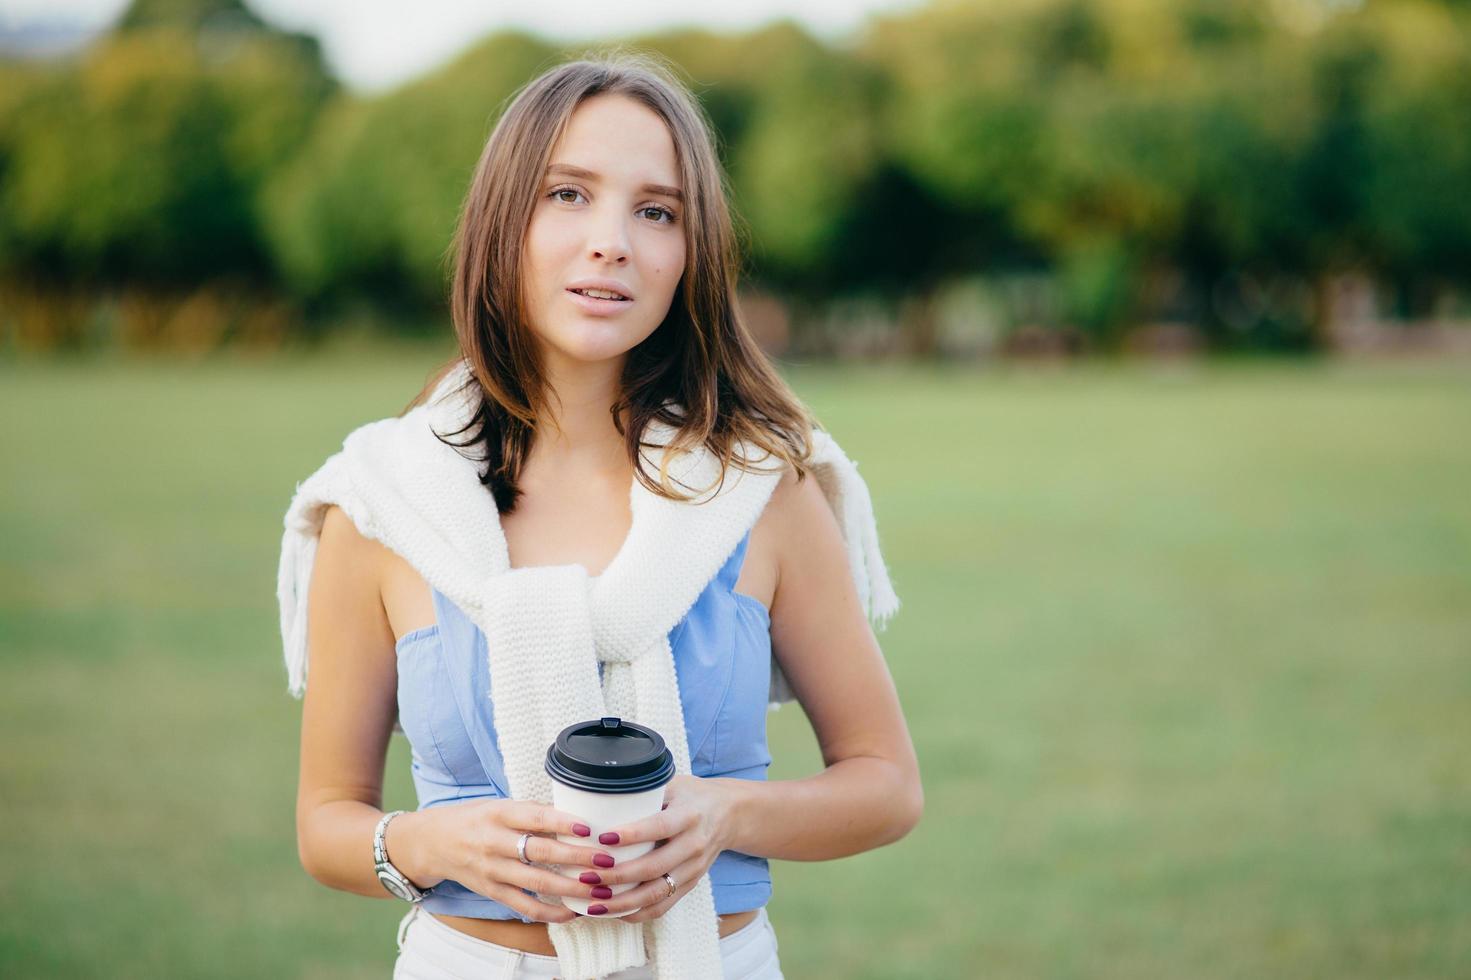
722 656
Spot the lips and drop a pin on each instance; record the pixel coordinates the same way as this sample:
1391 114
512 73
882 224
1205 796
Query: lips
598 307
611 295
602 284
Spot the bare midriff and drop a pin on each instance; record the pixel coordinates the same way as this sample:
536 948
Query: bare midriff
532 937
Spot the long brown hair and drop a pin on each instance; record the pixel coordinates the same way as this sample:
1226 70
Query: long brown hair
701 357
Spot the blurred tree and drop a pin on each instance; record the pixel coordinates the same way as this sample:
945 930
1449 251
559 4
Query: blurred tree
809 143
140 161
1332 235
1418 152
1216 160
800 131
121 172
193 16
369 205
963 130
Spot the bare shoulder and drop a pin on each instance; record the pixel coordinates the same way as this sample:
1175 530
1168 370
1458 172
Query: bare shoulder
341 539
804 535
791 502
338 527
797 501
347 571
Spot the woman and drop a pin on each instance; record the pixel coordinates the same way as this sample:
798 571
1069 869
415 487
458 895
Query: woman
593 301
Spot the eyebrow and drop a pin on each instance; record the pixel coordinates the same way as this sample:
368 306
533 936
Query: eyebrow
571 171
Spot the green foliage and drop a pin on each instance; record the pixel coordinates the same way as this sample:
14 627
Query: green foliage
1100 142
370 201
1097 278
120 169
142 162
809 144
1417 153
190 15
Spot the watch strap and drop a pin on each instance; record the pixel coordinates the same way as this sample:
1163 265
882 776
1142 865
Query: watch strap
394 881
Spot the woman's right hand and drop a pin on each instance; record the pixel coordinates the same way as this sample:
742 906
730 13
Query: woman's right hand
475 844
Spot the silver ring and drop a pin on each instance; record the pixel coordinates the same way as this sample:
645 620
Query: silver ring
521 847
672 885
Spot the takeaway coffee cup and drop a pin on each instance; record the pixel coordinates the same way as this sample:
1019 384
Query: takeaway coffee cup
608 773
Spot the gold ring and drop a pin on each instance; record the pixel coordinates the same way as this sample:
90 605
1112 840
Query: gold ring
672 886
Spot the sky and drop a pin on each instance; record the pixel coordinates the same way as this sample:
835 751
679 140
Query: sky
376 44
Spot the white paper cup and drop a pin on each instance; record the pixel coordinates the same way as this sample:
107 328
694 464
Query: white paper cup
608 773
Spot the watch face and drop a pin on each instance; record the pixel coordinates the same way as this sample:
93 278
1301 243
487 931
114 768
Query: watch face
395 886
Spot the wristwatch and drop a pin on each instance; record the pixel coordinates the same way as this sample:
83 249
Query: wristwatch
393 879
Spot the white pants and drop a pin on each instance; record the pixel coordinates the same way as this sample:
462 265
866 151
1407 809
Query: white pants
430 950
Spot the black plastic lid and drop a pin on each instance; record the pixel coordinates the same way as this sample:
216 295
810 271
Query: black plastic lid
610 756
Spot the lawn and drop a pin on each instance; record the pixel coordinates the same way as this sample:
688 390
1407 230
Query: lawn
1186 655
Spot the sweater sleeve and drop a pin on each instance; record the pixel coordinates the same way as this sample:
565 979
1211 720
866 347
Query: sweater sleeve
303 529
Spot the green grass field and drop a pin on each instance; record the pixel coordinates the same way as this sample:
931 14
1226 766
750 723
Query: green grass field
1186 657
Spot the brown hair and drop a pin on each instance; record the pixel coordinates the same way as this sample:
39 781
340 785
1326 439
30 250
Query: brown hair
701 357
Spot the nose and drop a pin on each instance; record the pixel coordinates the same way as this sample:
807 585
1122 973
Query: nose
610 240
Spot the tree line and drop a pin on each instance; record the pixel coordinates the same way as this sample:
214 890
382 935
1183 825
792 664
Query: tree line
1212 162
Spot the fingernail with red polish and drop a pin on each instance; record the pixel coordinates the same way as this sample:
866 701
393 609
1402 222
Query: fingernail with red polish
582 830
602 891
590 878
603 860
596 909
608 838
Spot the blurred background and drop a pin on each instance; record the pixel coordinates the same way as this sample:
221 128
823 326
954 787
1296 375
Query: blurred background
1147 321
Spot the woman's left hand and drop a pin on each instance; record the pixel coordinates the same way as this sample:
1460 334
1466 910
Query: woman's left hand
689 834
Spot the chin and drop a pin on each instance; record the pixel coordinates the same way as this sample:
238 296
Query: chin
594 350
598 342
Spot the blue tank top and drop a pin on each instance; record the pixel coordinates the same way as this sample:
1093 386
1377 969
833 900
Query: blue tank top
722 656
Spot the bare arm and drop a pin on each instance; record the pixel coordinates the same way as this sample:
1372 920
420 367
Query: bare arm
347 717
870 794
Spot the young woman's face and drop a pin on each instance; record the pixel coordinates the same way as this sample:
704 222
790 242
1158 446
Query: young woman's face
608 209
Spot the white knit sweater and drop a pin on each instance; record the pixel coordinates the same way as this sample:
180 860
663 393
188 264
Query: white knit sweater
547 627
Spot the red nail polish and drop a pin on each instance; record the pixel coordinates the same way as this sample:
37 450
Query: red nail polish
603 860
591 878
609 838
596 909
582 830
602 891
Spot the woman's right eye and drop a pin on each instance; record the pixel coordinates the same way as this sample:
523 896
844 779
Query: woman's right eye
564 190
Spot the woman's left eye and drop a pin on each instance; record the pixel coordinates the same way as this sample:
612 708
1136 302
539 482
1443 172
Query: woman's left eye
668 215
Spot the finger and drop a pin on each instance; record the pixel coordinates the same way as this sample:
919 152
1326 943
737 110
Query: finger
651 893
552 851
650 912
664 902
546 850
543 880
529 906
543 818
657 907
649 866
665 823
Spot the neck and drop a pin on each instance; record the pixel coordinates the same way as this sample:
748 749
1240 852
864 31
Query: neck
579 432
